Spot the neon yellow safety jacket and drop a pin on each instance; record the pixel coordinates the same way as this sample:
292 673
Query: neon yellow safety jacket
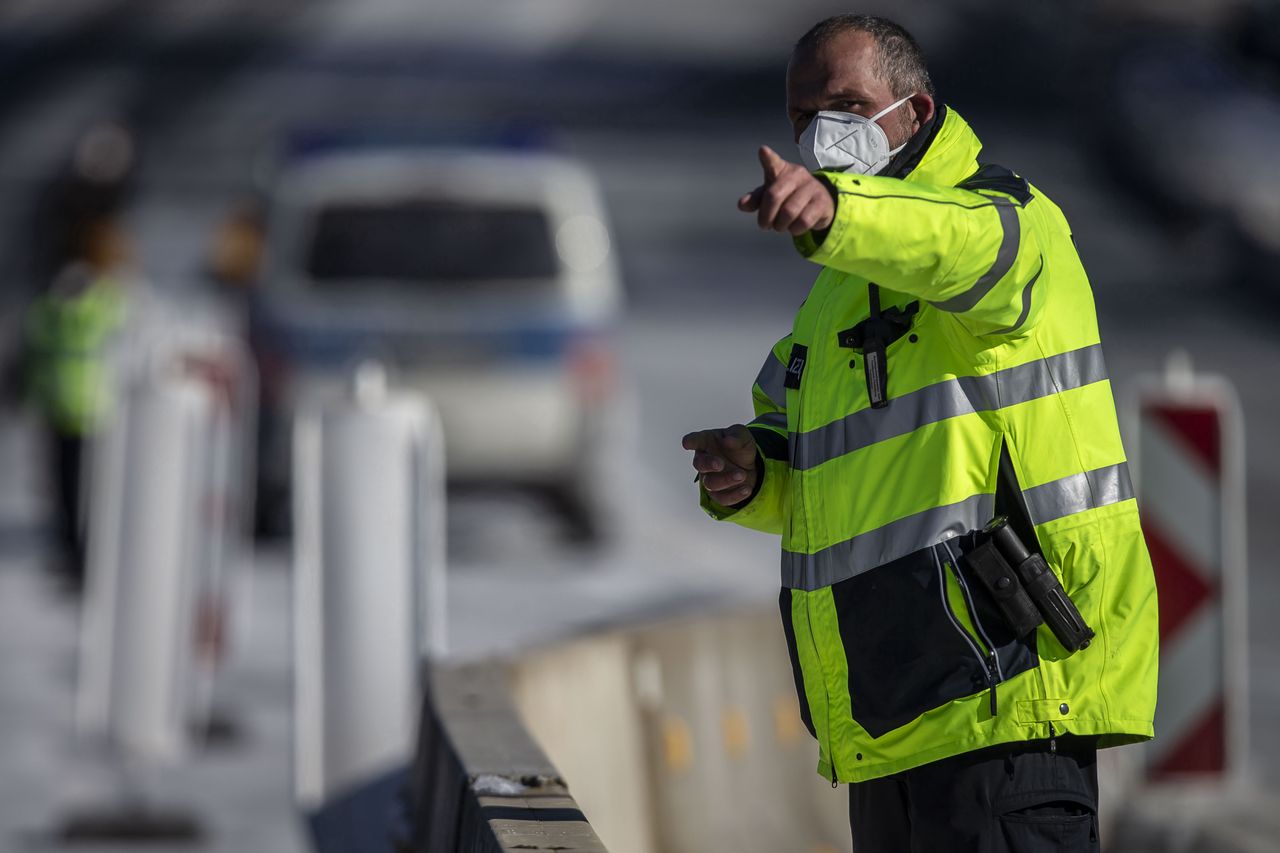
67 335
996 399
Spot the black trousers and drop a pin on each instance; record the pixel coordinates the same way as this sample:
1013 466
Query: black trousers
66 454
1016 798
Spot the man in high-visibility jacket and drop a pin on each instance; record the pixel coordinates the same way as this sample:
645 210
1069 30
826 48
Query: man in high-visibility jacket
69 329
944 369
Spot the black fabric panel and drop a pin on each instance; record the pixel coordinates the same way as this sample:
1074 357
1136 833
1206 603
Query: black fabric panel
998 179
1011 504
784 605
770 444
905 654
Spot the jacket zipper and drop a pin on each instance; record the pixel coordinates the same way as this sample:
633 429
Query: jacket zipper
804 512
995 673
831 755
990 665
816 331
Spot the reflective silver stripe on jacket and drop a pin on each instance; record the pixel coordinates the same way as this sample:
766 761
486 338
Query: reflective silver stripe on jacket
771 379
1079 492
950 398
1026 304
777 420
885 544
1010 239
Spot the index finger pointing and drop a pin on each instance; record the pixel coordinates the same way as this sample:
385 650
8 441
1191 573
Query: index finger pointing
770 162
694 441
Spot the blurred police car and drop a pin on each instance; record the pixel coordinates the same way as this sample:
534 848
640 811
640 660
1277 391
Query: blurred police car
482 277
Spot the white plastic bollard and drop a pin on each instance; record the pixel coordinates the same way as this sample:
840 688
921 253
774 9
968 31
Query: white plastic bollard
144 543
368 583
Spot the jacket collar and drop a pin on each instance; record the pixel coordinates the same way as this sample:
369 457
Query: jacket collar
944 152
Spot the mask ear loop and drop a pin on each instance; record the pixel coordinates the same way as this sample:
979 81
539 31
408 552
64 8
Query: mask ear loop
885 112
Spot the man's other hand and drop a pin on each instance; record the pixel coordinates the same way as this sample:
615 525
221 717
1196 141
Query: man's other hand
790 199
725 460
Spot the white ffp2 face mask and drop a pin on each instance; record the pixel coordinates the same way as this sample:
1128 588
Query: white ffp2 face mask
847 142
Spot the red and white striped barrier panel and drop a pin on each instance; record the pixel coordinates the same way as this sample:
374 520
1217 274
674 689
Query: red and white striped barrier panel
1189 459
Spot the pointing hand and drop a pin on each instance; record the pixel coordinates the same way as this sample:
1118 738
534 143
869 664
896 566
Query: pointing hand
790 199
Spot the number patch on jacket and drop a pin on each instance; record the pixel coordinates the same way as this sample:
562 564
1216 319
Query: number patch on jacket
795 365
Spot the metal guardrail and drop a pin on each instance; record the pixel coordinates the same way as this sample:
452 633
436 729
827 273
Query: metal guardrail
479 783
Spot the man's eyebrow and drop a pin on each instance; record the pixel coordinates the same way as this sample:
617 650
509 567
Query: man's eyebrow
847 94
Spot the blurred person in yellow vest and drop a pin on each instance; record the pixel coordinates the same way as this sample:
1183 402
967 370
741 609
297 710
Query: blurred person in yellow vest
72 327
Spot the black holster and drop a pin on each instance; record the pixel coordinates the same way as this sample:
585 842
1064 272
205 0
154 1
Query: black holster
1024 588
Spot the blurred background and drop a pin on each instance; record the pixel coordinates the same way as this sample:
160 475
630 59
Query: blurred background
277 191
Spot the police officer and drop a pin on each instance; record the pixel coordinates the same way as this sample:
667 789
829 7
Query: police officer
945 369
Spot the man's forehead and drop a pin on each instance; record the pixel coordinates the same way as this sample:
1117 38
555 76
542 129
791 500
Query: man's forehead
846 62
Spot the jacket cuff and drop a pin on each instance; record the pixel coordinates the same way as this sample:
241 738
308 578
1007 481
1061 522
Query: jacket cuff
819 247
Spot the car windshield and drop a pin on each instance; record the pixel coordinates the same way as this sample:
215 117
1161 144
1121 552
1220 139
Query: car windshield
430 245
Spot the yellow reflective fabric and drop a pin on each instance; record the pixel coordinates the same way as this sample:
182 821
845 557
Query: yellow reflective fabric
67 335
1003 352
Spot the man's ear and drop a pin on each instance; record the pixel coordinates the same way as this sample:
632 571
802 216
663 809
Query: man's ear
922 104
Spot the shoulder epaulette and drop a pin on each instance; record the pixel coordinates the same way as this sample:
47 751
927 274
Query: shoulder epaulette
992 177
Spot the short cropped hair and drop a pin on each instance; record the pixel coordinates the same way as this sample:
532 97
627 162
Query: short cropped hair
899 60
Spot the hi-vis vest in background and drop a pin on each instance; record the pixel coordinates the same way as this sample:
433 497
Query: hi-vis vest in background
995 398
68 331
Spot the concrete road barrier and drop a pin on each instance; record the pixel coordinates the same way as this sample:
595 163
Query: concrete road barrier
480 784
684 736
